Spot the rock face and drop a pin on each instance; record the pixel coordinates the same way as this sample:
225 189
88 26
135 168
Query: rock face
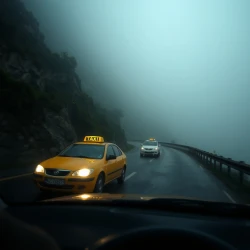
42 106
24 144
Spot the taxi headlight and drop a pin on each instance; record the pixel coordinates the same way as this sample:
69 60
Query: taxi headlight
39 169
142 148
83 172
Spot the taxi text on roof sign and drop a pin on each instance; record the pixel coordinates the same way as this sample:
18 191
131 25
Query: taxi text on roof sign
92 138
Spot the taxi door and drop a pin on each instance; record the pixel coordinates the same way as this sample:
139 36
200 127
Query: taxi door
119 160
111 165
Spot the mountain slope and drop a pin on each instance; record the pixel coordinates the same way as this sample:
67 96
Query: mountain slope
43 108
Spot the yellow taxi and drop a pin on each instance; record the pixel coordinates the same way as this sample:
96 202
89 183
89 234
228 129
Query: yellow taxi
83 167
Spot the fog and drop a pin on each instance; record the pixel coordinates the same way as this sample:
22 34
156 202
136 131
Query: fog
180 70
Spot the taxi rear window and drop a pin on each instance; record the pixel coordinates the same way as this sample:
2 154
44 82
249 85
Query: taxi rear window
150 143
84 151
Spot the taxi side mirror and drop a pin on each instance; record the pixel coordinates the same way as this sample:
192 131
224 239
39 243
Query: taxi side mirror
110 157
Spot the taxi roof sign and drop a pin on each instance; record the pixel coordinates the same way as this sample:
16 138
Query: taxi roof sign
152 139
93 138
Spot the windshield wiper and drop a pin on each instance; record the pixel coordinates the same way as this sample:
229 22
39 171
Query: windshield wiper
76 156
83 156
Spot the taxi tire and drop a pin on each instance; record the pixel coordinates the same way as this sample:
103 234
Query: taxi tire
141 155
100 181
121 179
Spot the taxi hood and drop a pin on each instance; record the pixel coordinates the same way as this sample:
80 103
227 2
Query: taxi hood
70 163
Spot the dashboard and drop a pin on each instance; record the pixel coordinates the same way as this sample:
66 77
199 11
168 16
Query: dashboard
76 226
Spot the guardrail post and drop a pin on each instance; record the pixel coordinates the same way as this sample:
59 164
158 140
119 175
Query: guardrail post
220 166
214 163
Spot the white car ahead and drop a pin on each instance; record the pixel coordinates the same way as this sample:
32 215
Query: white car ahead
151 148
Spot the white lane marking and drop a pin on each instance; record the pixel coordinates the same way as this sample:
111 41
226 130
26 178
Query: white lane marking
14 177
151 160
129 176
229 196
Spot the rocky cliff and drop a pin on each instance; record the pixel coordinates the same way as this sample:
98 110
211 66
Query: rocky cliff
43 108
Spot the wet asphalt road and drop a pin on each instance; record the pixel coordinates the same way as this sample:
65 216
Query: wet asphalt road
173 173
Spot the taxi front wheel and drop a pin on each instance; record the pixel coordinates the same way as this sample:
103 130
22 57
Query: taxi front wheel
99 184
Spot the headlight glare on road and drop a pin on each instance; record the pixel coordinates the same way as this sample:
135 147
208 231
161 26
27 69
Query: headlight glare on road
83 172
39 169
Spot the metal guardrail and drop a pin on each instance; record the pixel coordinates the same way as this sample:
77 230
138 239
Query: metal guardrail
218 162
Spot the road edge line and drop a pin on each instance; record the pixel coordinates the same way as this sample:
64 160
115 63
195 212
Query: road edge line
229 196
129 176
14 177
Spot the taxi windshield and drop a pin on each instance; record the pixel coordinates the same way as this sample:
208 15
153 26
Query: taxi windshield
84 151
150 143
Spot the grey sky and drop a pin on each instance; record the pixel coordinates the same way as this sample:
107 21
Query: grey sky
179 69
